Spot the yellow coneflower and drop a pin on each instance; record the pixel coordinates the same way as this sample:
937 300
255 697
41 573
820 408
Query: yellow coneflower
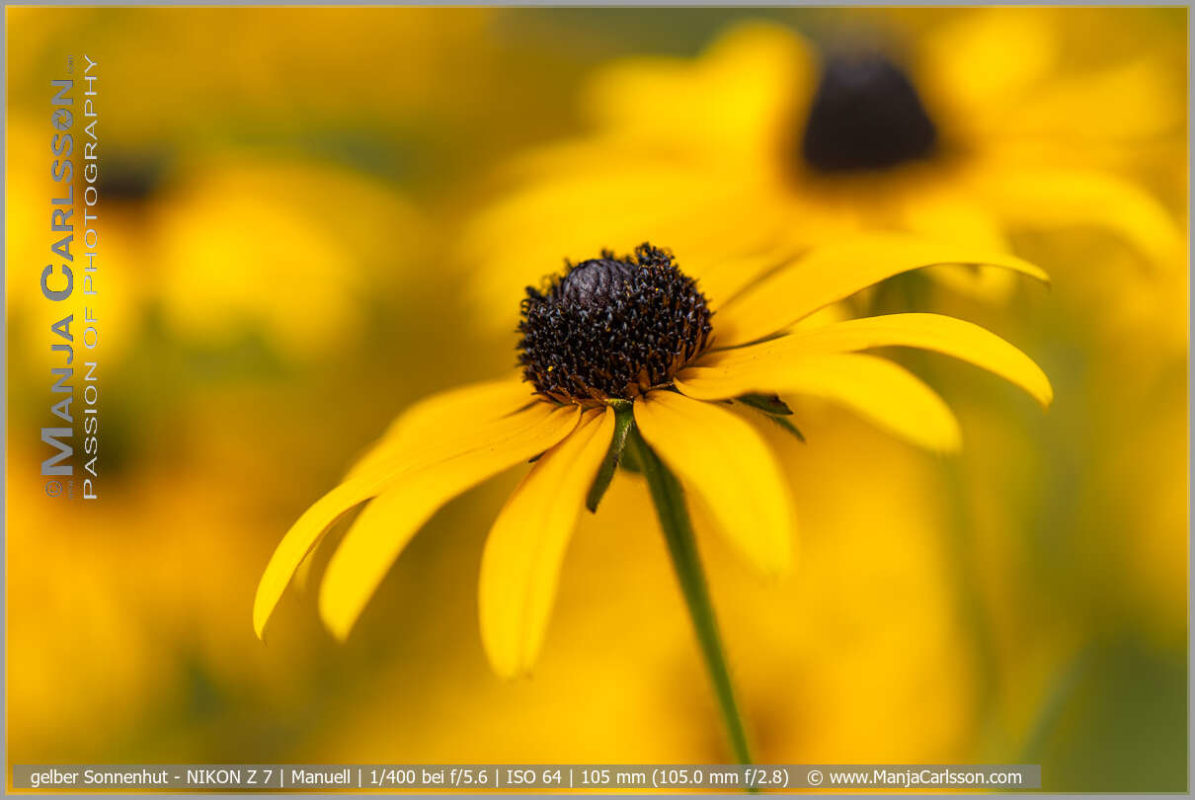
628 353
767 145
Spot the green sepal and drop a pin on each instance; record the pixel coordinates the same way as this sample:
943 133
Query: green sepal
785 423
623 420
630 462
767 403
775 409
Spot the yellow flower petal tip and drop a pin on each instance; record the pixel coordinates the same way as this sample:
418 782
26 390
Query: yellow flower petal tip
947 441
520 567
299 542
337 614
261 615
508 673
340 630
1046 396
932 252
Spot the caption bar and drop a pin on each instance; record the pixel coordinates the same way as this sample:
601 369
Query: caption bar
476 777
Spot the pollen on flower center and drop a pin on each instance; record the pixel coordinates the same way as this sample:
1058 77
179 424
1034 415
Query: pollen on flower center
612 327
866 114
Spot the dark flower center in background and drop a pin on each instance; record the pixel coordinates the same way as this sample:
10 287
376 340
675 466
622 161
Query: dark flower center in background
612 327
130 181
866 114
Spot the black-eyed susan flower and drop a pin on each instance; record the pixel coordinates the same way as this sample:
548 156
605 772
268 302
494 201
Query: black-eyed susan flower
766 145
628 353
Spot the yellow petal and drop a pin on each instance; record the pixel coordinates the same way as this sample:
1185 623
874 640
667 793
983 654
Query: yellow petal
577 215
521 564
876 388
424 425
830 273
301 539
721 277
722 458
951 214
953 337
1045 198
1147 98
734 98
975 87
386 525
419 434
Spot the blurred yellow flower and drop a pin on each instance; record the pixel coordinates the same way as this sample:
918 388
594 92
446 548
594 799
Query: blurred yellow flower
281 248
627 350
766 145
233 246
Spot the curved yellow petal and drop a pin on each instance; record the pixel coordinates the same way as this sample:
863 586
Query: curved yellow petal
424 425
301 539
721 277
948 335
426 431
951 214
386 525
722 458
1054 198
520 567
830 273
876 388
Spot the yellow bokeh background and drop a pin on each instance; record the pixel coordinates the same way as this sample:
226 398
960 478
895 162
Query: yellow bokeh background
283 193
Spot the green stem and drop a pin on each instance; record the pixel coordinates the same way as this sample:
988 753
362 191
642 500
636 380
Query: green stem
669 500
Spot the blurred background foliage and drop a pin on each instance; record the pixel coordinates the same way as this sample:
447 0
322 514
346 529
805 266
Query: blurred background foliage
280 193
